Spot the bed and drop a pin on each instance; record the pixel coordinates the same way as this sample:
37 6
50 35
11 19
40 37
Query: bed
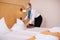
20 32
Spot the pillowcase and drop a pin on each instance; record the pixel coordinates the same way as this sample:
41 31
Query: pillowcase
19 26
55 29
3 27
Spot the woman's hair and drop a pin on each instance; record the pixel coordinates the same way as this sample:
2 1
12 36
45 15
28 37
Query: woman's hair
29 4
20 18
21 9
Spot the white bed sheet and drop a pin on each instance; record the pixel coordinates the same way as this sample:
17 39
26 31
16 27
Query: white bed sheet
21 35
37 29
45 37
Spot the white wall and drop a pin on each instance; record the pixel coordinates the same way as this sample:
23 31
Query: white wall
59 11
49 10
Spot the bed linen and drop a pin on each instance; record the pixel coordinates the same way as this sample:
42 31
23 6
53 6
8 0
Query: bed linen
19 25
21 35
37 29
3 27
55 29
24 35
43 37
54 33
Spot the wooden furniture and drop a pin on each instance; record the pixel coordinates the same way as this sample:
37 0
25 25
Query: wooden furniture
10 9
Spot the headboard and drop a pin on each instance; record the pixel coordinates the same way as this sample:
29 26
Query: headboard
11 10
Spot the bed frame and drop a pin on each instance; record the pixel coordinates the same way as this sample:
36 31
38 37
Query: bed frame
10 10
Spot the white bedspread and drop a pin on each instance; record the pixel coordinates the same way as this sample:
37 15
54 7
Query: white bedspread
37 29
22 35
45 37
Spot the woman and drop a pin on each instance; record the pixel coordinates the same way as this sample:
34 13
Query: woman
33 16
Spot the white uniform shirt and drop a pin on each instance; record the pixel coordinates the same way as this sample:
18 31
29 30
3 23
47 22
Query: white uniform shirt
33 15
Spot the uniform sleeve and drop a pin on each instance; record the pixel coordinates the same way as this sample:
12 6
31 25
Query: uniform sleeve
32 17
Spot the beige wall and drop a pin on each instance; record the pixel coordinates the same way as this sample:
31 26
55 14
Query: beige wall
49 10
59 11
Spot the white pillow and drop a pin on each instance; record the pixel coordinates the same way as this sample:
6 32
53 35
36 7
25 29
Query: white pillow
18 26
55 29
3 27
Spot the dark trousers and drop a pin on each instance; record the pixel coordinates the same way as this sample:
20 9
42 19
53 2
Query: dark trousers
38 21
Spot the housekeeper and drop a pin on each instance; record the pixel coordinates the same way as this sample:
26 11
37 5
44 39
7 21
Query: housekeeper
34 16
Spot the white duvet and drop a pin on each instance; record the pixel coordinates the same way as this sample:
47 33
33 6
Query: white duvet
45 37
55 29
37 29
21 35
25 34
